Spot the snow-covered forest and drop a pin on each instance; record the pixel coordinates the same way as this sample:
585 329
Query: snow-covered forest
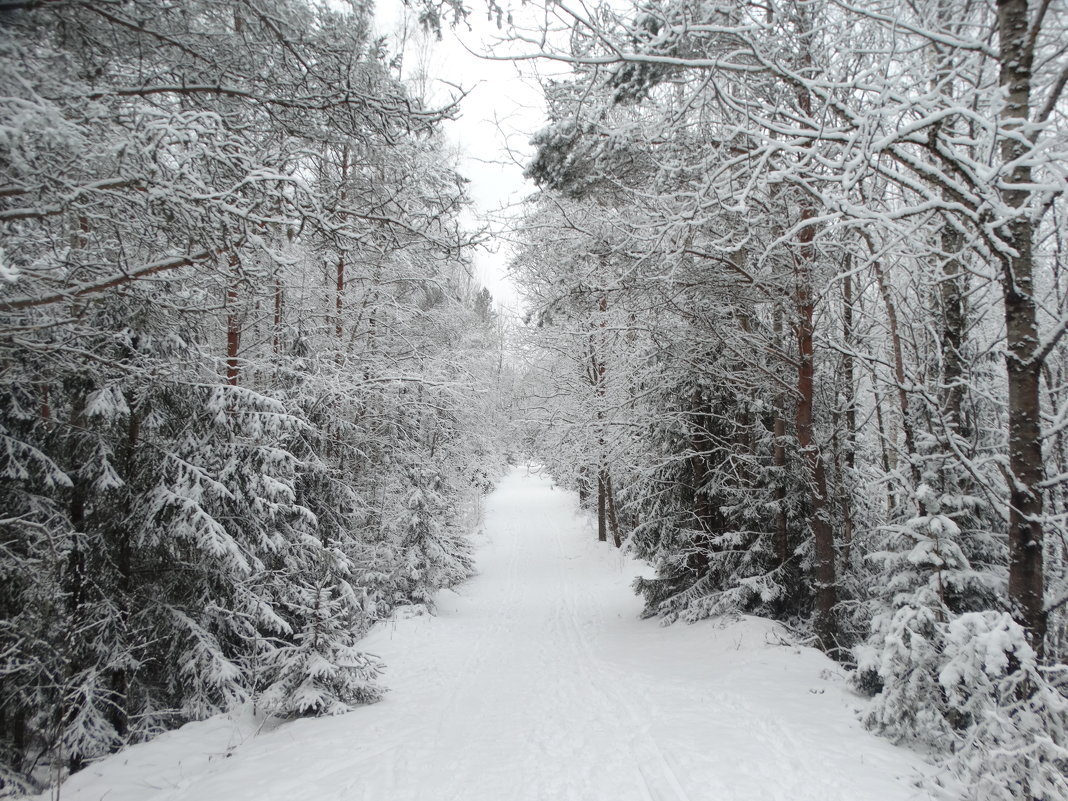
794 314
246 380
797 292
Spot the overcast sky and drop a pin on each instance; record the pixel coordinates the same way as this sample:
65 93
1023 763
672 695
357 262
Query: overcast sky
502 109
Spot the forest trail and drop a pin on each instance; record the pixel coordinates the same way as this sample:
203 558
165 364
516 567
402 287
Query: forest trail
536 681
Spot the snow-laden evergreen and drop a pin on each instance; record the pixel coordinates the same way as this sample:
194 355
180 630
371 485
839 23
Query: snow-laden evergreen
238 337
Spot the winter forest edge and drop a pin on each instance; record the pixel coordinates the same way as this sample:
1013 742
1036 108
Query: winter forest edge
794 332
248 397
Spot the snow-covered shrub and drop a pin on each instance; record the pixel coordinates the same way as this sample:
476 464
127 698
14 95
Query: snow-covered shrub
321 671
1012 741
902 659
927 580
707 520
434 553
962 683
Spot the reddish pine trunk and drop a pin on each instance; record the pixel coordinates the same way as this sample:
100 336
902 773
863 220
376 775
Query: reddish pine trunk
820 526
850 447
233 327
613 512
782 535
823 569
602 504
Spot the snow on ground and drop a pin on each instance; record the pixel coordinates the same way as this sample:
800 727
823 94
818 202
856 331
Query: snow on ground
536 681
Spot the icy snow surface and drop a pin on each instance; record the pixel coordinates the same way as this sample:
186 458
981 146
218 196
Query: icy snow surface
536 681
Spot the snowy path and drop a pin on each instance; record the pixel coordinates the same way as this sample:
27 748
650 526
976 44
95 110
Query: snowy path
537 682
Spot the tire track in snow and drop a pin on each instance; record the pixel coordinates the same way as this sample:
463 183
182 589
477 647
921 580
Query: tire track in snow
658 777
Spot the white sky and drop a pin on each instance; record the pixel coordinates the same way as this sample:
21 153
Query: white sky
503 108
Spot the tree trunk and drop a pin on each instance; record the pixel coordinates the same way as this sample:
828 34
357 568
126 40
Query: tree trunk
613 514
849 461
820 526
339 301
884 451
951 295
899 376
782 534
598 377
76 580
123 556
602 503
952 283
233 326
1021 326
276 331
339 284
823 568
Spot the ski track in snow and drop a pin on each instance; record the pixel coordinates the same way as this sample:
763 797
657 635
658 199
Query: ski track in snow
536 681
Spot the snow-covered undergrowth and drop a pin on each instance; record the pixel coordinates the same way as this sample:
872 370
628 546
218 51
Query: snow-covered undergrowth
537 681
